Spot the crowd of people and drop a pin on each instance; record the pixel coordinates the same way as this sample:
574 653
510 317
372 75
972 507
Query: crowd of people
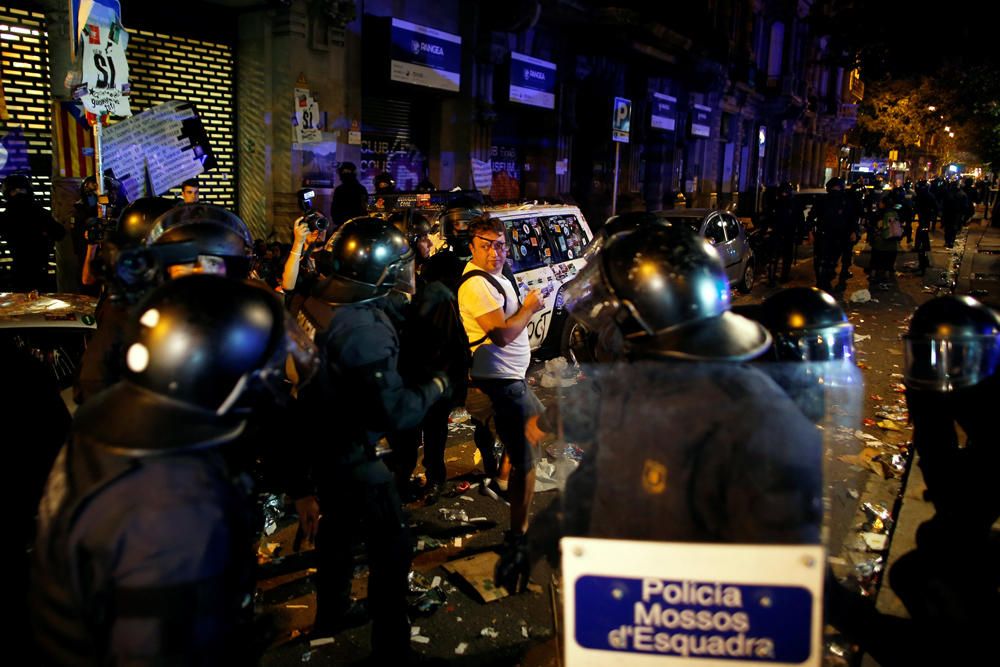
204 381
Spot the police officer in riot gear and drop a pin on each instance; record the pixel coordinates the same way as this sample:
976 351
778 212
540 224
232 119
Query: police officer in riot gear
202 238
145 548
950 583
361 396
952 358
741 462
784 223
127 271
30 232
834 223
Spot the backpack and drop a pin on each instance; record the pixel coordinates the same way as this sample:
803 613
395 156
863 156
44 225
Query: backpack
893 228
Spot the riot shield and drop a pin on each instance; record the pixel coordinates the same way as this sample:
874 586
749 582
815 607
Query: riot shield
681 455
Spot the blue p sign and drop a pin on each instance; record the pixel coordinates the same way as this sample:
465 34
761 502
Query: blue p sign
621 119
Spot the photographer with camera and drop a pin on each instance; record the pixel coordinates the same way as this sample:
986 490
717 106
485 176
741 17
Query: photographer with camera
309 233
90 224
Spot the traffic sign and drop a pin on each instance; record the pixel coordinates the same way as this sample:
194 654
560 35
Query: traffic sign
621 119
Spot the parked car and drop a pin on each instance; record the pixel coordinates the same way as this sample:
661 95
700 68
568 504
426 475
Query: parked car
727 234
53 328
546 249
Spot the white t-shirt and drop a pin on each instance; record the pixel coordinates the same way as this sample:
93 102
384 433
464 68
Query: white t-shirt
476 297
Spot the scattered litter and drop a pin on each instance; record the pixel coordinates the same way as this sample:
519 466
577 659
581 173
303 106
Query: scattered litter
460 649
867 574
859 337
463 486
524 631
468 498
449 514
307 656
888 425
879 519
296 606
322 641
477 518
420 639
429 594
414 630
860 296
558 373
875 541
489 632
458 541
426 543
478 571
853 493
273 509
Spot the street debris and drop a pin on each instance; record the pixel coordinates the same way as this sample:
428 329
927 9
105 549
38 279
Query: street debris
430 595
489 632
449 514
875 541
860 296
322 641
460 649
478 571
558 373
273 509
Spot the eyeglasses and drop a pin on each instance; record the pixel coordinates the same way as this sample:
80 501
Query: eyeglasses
499 246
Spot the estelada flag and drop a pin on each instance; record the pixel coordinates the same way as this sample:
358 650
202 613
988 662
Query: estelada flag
74 141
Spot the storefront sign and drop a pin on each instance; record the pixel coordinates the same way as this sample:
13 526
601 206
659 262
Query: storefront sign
425 56
626 602
532 81
701 118
664 109
621 119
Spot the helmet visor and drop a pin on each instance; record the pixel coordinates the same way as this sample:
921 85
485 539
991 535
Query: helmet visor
589 298
947 364
827 344
405 275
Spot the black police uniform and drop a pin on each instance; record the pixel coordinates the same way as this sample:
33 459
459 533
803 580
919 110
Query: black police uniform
30 232
834 218
362 397
747 470
145 546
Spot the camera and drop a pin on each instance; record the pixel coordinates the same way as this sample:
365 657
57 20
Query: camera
317 221
95 230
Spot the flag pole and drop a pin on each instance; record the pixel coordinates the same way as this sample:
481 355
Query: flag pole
98 165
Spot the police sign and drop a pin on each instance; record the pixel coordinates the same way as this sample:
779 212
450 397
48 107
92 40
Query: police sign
704 604
621 119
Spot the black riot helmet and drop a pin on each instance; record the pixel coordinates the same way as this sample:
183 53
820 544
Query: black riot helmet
953 343
664 289
198 349
366 258
137 219
188 233
807 324
624 222
455 227
384 183
835 183
17 184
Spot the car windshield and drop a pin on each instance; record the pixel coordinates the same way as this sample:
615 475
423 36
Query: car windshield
692 222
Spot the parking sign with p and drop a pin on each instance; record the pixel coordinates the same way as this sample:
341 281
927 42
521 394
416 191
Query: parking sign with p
621 119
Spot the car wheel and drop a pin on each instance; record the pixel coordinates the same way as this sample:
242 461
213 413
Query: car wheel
746 283
577 342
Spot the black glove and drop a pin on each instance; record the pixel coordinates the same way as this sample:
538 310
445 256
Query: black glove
443 383
514 566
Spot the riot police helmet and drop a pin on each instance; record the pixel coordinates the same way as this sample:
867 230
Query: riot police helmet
366 258
455 227
623 222
807 324
137 219
17 184
200 351
663 288
189 235
835 183
384 183
953 342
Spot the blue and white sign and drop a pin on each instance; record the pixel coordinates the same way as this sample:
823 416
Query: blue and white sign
425 57
621 119
701 118
532 81
663 111
628 602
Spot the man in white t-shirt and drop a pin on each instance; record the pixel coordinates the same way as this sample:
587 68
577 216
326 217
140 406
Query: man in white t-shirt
495 321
